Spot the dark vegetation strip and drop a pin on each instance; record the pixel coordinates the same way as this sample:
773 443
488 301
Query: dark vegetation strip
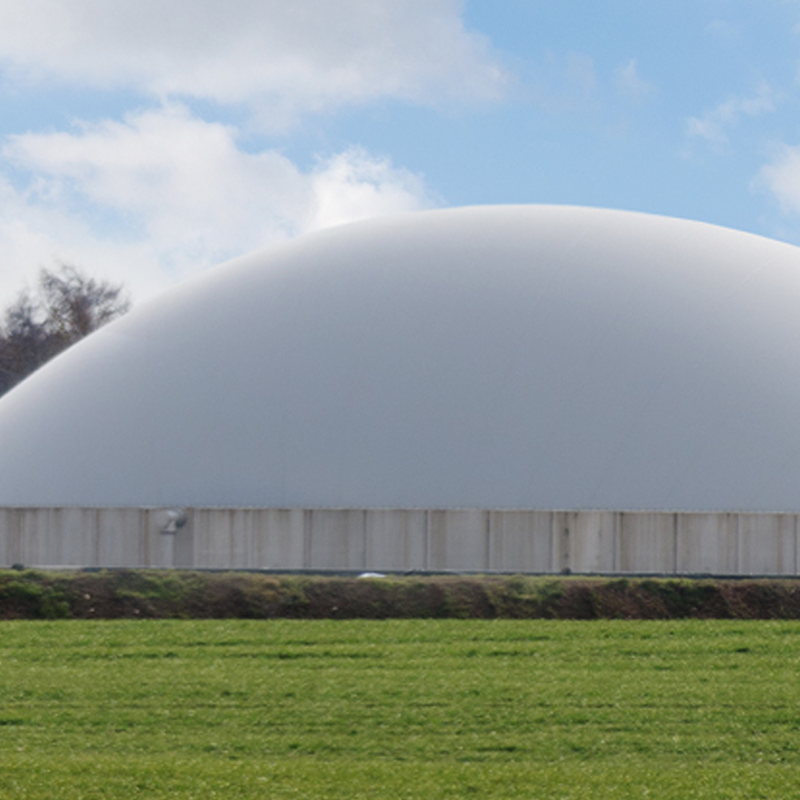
114 594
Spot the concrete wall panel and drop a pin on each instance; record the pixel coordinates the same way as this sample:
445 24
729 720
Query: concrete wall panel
767 544
336 539
118 537
279 541
24 538
708 543
78 542
6 527
395 539
183 548
594 541
647 542
10 536
403 539
458 539
521 541
157 549
562 541
40 539
242 545
211 537
585 541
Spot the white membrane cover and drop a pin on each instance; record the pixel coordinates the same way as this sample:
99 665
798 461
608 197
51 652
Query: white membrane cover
496 357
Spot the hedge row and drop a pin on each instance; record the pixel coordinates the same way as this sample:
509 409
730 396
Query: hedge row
114 594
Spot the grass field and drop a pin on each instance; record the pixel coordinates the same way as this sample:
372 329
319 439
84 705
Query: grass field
399 709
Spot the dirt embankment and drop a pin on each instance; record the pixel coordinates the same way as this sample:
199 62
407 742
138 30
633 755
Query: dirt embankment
113 594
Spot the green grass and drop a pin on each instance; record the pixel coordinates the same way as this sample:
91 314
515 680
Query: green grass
399 709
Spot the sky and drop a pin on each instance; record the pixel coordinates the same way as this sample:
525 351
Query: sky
144 141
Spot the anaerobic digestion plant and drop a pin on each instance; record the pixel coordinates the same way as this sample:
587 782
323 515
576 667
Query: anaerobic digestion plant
522 388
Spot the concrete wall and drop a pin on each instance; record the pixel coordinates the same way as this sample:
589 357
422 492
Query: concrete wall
399 539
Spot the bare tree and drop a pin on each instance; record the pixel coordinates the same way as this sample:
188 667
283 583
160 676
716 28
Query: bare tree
66 307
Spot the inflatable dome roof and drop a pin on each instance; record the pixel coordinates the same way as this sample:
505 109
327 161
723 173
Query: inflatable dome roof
493 357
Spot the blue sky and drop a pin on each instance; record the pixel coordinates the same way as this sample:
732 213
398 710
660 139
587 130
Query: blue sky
145 140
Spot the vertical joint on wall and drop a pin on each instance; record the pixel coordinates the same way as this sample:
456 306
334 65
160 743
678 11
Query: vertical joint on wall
307 539
487 553
14 551
144 538
230 523
427 538
96 539
675 536
364 539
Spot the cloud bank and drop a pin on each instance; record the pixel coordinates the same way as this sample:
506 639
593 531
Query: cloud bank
170 188
280 58
167 183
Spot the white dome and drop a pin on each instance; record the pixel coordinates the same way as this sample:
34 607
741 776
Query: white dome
495 357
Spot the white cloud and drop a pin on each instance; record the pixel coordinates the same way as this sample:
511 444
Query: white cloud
277 57
355 185
630 83
33 236
781 177
178 194
182 179
163 193
713 126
